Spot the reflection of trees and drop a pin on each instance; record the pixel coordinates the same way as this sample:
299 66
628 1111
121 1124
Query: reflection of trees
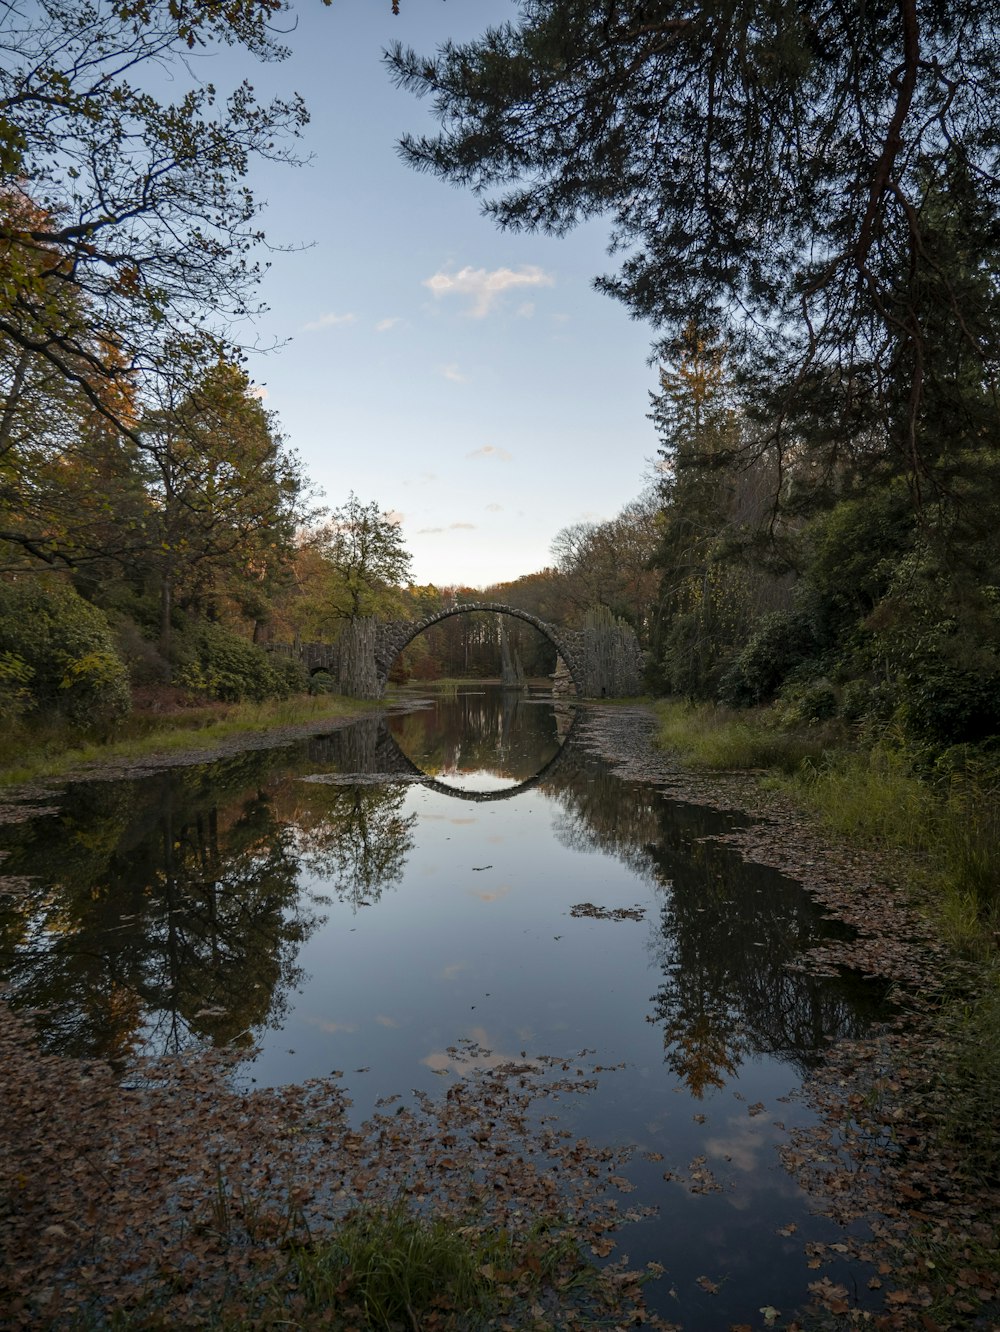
169 910
356 838
491 730
155 913
600 812
727 929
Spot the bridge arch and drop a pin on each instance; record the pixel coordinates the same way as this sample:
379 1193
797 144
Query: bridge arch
395 637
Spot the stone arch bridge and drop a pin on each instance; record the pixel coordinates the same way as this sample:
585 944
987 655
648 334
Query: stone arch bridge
594 671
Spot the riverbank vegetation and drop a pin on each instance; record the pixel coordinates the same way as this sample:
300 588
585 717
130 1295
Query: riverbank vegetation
54 749
944 818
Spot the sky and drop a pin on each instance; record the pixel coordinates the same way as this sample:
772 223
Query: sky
469 381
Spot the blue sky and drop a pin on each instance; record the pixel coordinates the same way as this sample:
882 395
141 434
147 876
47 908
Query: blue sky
469 380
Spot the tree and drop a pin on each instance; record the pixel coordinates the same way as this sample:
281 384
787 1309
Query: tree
226 496
364 547
608 564
716 498
364 550
819 186
124 211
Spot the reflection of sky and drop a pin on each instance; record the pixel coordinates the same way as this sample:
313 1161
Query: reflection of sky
477 944
476 779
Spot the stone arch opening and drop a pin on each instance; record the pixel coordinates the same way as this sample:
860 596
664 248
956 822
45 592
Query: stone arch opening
398 635
547 771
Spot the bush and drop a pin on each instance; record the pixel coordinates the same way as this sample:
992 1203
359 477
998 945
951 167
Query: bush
58 654
782 643
943 705
219 664
813 702
146 665
15 677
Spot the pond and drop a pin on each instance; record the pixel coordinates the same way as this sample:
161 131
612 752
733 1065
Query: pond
452 886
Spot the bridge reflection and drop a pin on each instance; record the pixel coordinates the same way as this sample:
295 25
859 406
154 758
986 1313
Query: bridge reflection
384 758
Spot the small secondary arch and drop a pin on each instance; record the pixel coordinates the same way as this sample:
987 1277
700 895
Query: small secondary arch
400 634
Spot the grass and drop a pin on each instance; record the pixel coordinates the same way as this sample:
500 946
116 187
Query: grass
946 829
448 685
708 736
401 1269
50 750
392 1269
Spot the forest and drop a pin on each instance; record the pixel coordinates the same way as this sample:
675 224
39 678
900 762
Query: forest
808 210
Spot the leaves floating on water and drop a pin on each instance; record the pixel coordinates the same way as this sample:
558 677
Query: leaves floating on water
592 912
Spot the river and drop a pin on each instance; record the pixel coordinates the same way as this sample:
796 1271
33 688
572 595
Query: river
458 884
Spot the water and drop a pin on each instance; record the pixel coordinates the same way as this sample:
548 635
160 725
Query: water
325 906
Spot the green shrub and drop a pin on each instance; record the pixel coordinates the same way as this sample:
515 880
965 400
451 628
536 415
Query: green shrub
943 705
138 650
807 703
59 654
15 677
219 664
782 643
322 682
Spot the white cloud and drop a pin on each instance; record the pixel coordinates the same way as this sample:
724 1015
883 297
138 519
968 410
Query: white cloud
394 516
526 310
452 372
384 325
494 508
257 391
452 527
328 321
490 451
485 288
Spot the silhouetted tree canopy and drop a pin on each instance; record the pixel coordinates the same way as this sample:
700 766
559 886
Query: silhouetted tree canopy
817 186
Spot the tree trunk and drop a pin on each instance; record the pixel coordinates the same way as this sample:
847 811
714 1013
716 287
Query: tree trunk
166 606
511 670
357 659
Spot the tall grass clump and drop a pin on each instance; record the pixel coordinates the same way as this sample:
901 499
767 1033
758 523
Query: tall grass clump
968 1077
394 1268
947 826
709 736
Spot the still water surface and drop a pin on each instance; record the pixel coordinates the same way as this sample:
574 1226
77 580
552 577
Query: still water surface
470 871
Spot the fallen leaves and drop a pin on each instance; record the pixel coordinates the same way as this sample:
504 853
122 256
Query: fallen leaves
592 912
187 1188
